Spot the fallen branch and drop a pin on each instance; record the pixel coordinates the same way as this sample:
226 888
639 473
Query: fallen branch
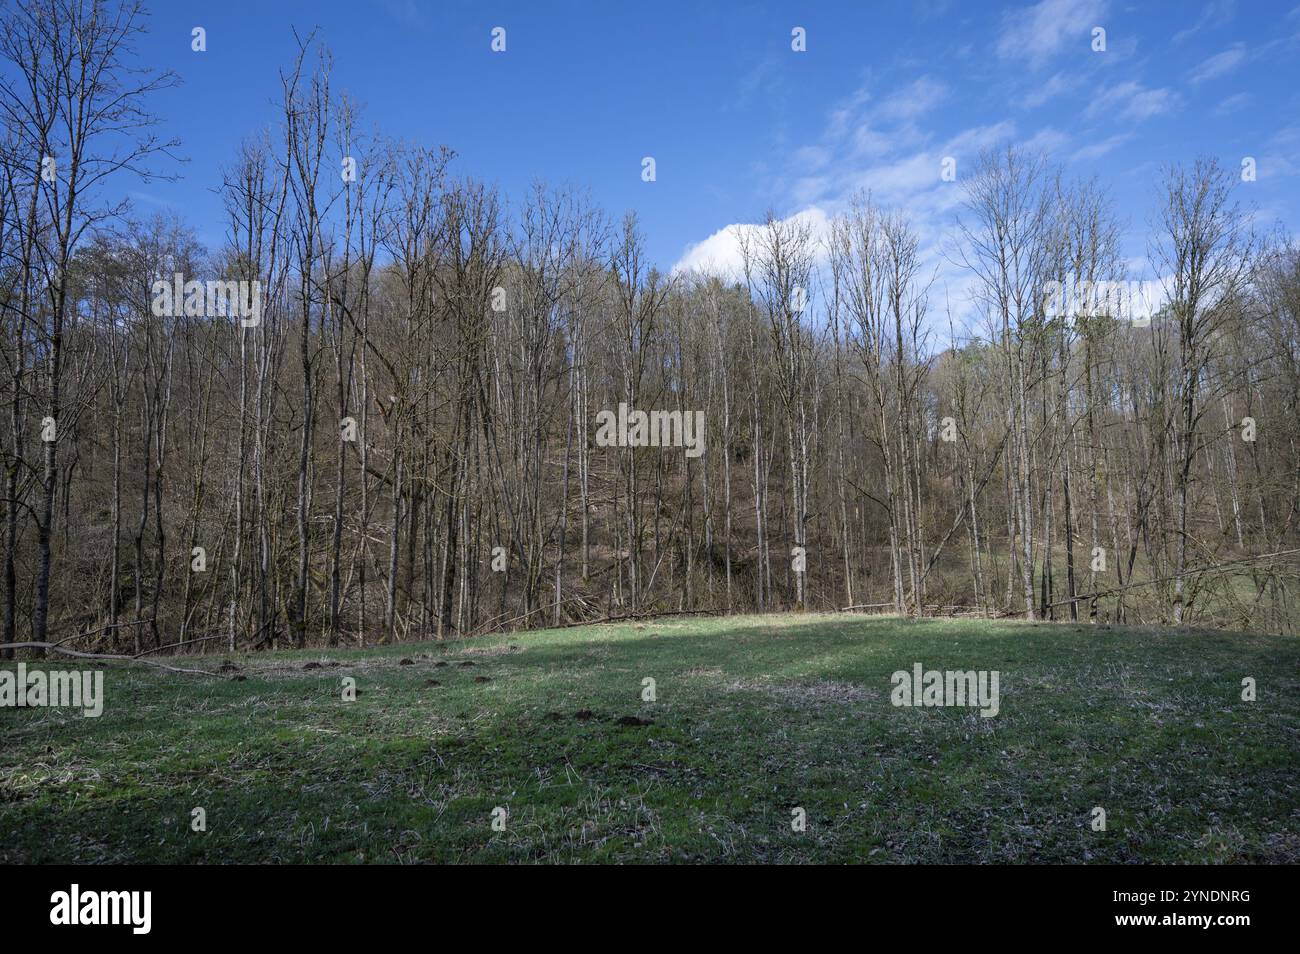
130 659
499 622
969 610
184 642
619 619
1194 572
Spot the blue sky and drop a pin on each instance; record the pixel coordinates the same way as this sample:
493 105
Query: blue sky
738 122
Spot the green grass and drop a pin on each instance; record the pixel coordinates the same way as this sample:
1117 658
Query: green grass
754 716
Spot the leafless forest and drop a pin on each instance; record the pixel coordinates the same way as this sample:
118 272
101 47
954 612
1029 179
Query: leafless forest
401 442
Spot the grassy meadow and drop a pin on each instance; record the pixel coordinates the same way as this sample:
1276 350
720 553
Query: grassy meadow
753 717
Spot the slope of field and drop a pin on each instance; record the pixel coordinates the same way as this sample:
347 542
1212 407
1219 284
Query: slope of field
753 717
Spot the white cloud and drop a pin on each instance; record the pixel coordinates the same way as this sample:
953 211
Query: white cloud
1232 104
1057 84
1132 100
977 138
1047 141
1098 149
878 142
1035 34
719 254
872 142
814 157
809 189
844 114
1215 14
908 181
913 100
1219 64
